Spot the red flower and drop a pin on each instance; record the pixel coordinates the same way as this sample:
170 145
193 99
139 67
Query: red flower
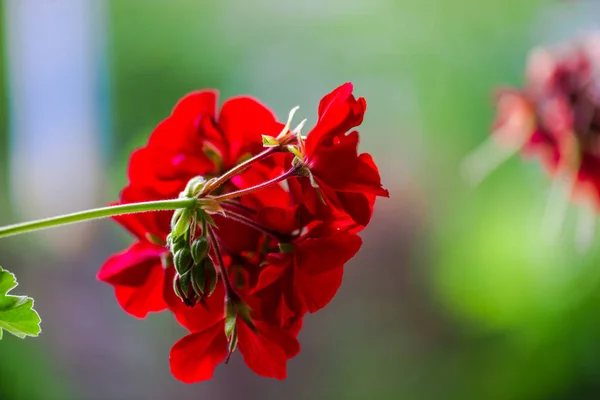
348 182
557 114
265 349
259 233
306 274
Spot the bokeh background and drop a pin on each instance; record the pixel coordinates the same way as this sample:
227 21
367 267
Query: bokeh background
454 295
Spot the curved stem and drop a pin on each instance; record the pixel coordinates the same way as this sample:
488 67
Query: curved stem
241 168
252 224
234 204
238 193
219 262
97 213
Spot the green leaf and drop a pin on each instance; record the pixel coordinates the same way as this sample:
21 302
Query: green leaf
17 315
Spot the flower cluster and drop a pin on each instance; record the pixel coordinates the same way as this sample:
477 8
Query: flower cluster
555 116
276 218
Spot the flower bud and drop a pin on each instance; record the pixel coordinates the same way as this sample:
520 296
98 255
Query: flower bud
181 286
182 260
199 249
211 276
199 277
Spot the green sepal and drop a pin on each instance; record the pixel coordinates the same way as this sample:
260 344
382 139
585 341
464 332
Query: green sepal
201 215
233 341
166 259
175 217
17 315
286 247
243 311
269 141
295 151
177 243
213 155
155 239
230 317
182 225
194 186
211 206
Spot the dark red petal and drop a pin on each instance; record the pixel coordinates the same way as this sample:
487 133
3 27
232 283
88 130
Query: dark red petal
139 301
357 206
340 167
276 268
194 357
334 165
201 316
167 173
315 256
236 237
267 351
339 112
283 220
243 120
316 291
133 266
366 177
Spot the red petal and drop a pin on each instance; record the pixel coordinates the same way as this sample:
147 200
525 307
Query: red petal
243 120
202 102
201 316
339 112
236 237
283 220
133 266
334 165
139 301
194 357
315 256
277 267
267 351
316 291
357 206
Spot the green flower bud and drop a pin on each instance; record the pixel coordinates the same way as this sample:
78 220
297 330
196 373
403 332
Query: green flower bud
199 278
182 260
199 249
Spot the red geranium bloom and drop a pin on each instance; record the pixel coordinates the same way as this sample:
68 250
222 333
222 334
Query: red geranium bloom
348 182
306 274
273 234
265 349
557 114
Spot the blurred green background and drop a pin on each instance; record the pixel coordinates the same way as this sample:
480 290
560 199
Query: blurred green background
473 303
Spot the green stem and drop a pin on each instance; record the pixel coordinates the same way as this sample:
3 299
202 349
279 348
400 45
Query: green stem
228 196
97 213
238 169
